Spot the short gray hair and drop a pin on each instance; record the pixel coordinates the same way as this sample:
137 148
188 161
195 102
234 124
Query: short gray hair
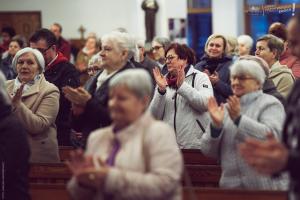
165 42
122 41
273 43
37 55
4 99
137 80
246 40
248 67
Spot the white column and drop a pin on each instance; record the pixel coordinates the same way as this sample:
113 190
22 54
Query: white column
228 17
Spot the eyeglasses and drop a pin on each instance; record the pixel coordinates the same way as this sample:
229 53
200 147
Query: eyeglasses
170 58
261 49
43 51
241 78
156 48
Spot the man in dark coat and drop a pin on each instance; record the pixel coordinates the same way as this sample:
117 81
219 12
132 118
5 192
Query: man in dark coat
14 152
63 45
60 72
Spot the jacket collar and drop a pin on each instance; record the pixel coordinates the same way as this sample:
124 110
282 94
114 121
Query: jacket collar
136 127
250 97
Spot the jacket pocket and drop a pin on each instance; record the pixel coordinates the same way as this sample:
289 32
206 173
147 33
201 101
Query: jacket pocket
200 125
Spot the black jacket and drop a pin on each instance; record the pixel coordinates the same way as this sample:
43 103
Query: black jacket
14 155
270 88
222 89
291 138
96 114
6 68
63 74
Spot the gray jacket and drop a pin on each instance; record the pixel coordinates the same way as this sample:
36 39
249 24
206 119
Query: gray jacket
260 114
185 109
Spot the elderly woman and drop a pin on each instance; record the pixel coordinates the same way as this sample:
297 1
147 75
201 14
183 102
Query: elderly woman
136 157
215 63
159 47
14 151
90 105
249 113
245 43
35 102
181 97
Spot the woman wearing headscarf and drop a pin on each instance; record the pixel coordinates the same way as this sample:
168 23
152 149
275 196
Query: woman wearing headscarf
35 102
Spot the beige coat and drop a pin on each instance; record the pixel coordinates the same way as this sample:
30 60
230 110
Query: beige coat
282 77
37 112
148 165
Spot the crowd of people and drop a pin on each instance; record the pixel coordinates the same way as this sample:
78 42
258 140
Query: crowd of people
133 105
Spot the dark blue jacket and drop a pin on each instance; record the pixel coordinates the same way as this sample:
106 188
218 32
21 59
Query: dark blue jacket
222 89
7 69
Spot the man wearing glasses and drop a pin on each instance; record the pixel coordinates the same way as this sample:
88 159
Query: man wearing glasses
60 72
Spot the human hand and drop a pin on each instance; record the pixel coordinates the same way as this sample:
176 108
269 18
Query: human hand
216 112
78 96
214 78
234 107
160 80
265 156
16 99
180 76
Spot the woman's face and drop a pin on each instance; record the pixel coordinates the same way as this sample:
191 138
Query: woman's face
13 48
215 48
91 43
173 62
124 106
111 56
158 51
243 49
27 67
243 84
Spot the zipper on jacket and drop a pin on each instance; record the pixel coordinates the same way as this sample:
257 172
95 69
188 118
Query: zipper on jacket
175 108
200 125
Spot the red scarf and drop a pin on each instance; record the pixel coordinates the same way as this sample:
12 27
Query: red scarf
171 80
60 58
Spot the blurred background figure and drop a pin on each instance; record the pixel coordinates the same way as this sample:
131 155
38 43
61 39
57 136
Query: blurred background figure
35 102
159 47
7 33
90 48
63 45
15 45
245 44
156 162
215 63
14 151
233 49
279 30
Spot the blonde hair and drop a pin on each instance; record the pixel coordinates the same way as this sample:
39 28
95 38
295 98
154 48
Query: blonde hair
214 36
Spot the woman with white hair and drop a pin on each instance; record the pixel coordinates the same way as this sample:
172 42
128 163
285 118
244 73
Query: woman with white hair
248 113
245 43
133 158
35 102
90 104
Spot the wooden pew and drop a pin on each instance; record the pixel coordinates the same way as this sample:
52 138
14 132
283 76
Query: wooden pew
195 156
58 192
200 175
230 194
190 156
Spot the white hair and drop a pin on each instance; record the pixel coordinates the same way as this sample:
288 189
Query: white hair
4 99
36 53
246 40
137 80
122 41
248 67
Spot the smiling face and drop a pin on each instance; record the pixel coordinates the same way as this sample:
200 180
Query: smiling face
27 67
13 48
215 48
124 106
243 84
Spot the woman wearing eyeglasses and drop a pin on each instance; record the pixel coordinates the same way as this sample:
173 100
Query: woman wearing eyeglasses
215 63
248 113
181 97
159 47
